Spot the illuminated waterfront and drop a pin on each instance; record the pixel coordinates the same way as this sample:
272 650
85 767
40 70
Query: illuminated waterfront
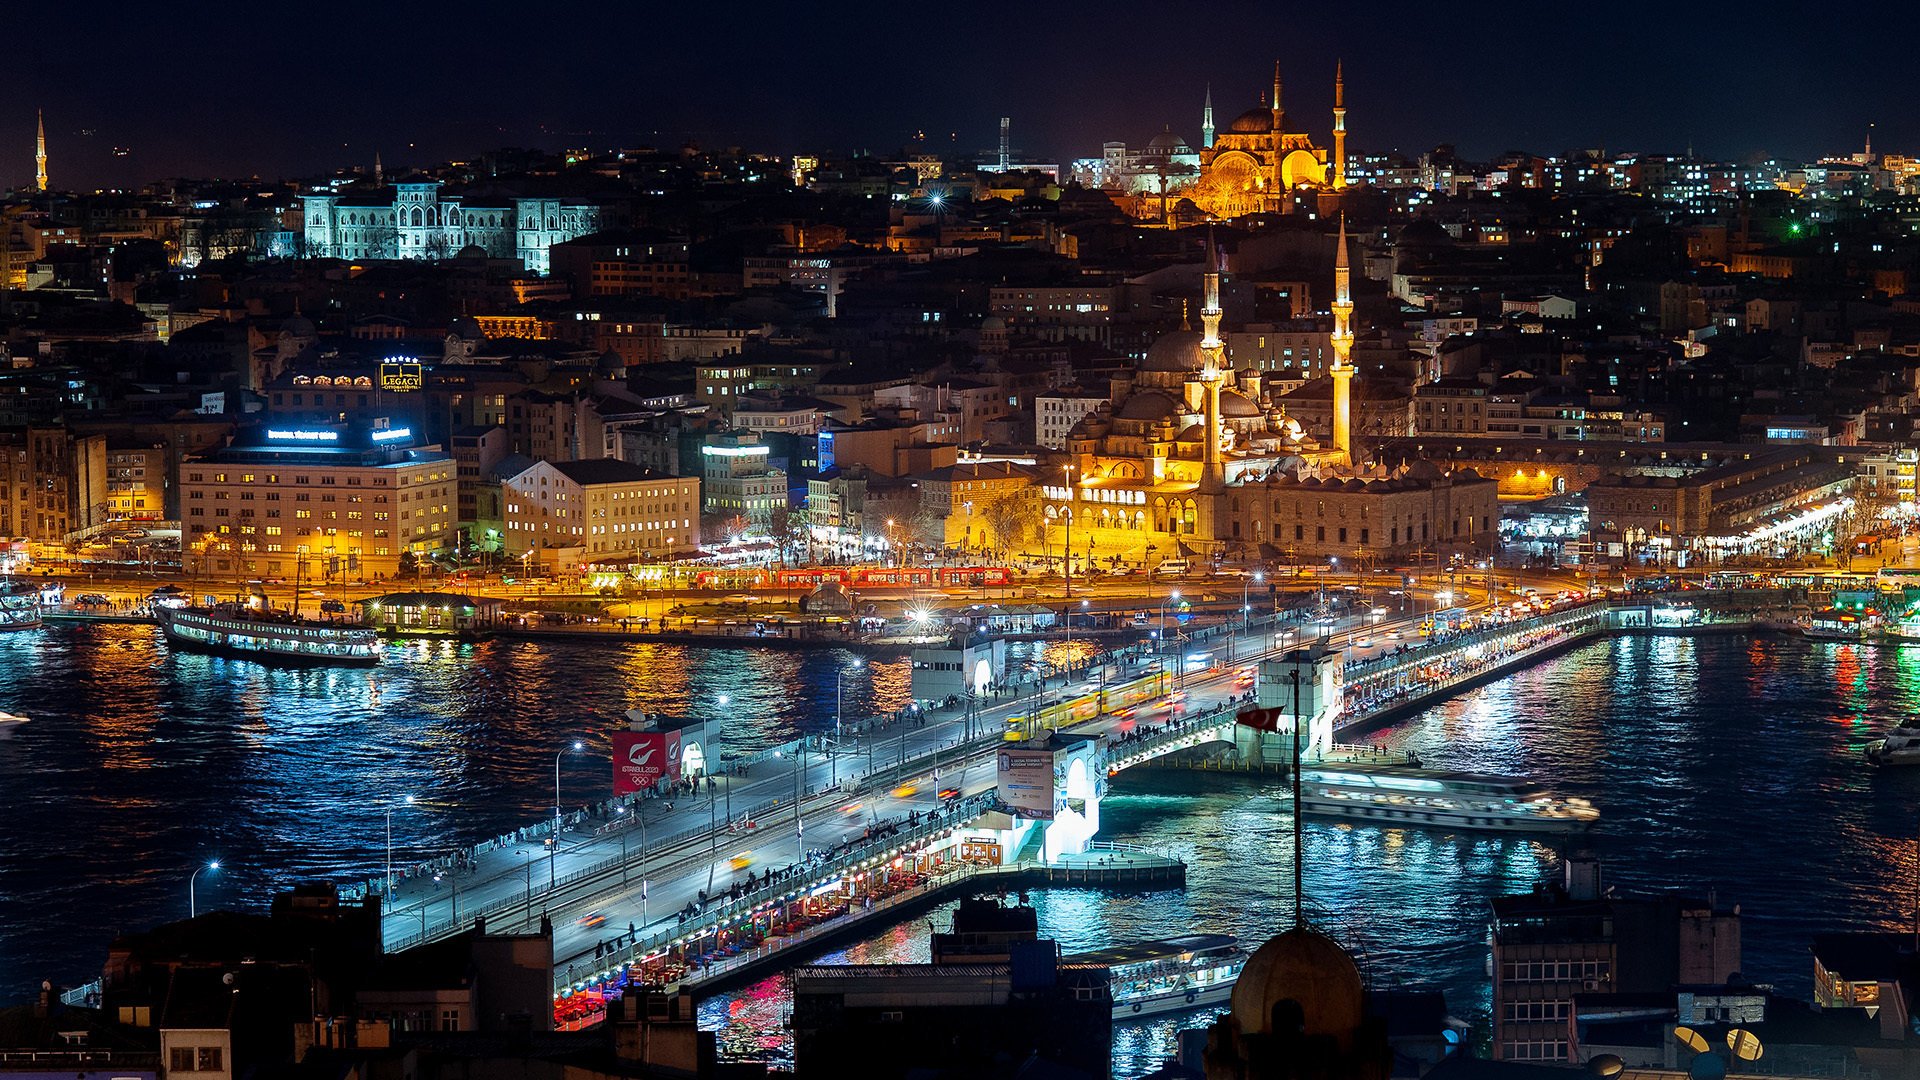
1725 761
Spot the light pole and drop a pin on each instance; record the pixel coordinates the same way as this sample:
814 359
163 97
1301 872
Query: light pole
193 908
554 847
839 702
407 801
1066 546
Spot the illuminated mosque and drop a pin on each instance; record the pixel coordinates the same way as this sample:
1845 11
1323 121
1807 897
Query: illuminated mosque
1255 165
1192 459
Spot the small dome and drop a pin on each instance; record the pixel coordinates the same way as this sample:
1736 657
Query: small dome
993 324
1310 969
471 252
1235 405
466 328
1167 143
1148 405
299 326
610 365
1177 351
1253 122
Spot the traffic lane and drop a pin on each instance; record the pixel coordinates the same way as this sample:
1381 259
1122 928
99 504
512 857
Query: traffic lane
770 848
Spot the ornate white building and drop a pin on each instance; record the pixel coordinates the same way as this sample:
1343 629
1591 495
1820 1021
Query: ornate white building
412 220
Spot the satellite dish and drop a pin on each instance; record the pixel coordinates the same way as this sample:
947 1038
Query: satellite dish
1606 1065
1744 1044
1707 1067
1690 1039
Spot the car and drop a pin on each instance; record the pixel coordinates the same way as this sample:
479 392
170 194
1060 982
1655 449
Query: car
332 607
593 919
949 793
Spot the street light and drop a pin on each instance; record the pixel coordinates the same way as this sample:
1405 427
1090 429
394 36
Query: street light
192 908
554 847
406 801
839 702
1066 545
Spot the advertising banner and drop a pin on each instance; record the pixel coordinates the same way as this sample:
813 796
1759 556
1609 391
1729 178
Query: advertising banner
642 759
1026 783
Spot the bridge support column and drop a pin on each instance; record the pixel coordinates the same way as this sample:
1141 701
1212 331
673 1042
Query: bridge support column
1304 685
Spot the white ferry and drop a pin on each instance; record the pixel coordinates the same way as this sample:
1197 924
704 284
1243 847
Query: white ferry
1153 978
19 607
1835 624
255 634
1390 795
1901 746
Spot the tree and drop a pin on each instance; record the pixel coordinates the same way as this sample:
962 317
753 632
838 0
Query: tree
785 528
1010 517
409 564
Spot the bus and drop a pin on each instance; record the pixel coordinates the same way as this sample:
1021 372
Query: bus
1448 619
1893 579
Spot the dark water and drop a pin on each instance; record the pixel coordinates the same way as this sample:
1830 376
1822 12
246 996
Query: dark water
1728 762
141 763
1719 763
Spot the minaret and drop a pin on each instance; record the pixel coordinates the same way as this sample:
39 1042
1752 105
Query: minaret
1279 114
1339 126
1206 121
1342 369
40 152
1212 353
379 176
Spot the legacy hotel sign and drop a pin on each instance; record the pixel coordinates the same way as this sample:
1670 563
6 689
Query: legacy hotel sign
401 376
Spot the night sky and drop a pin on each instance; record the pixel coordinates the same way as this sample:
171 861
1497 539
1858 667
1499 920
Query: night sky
271 89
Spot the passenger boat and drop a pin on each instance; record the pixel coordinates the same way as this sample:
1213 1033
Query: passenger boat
1153 978
9 721
1901 746
1835 624
1392 795
254 633
19 606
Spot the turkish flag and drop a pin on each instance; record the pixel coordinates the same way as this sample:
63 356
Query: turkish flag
1261 719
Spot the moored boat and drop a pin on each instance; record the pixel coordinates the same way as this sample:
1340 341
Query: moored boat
19 606
1838 624
1900 746
1392 795
253 633
1153 978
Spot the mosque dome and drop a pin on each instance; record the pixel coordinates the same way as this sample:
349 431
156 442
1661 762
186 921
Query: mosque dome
299 326
1148 405
1312 970
1253 122
610 365
470 253
1177 351
466 328
993 324
1234 405
1167 143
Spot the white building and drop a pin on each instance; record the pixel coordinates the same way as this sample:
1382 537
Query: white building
561 512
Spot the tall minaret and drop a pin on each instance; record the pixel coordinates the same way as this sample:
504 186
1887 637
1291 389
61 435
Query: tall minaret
379 174
1339 126
1342 369
40 152
1279 113
1206 120
1212 354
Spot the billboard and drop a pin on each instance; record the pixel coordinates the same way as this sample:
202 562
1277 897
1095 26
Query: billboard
1026 782
642 759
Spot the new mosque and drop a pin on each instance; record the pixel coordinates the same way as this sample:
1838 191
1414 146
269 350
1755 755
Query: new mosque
1193 459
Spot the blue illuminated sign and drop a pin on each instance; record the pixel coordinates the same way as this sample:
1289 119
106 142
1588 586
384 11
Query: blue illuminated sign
392 433
302 436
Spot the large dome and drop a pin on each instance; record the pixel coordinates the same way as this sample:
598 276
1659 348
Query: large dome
1253 122
1310 969
1235 405
1177 351
1167 143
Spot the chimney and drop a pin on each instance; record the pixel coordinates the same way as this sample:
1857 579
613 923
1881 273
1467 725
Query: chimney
1581 877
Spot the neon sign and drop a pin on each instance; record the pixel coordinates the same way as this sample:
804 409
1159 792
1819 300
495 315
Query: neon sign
391 434
302 436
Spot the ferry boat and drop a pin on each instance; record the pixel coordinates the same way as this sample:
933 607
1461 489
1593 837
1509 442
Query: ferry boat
254 633
1392 795
19 606
1836 624
1901 746
1153 978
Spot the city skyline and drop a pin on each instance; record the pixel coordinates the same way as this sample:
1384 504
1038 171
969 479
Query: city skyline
793 82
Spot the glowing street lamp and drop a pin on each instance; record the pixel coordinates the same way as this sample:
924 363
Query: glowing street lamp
554 847
192 908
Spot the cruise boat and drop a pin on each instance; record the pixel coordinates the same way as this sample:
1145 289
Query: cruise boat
255 633
1901 746
1153 978
1392 795
19 606
10 721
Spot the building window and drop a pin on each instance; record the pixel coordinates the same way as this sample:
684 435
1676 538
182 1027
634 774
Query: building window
208 1059
180 1059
